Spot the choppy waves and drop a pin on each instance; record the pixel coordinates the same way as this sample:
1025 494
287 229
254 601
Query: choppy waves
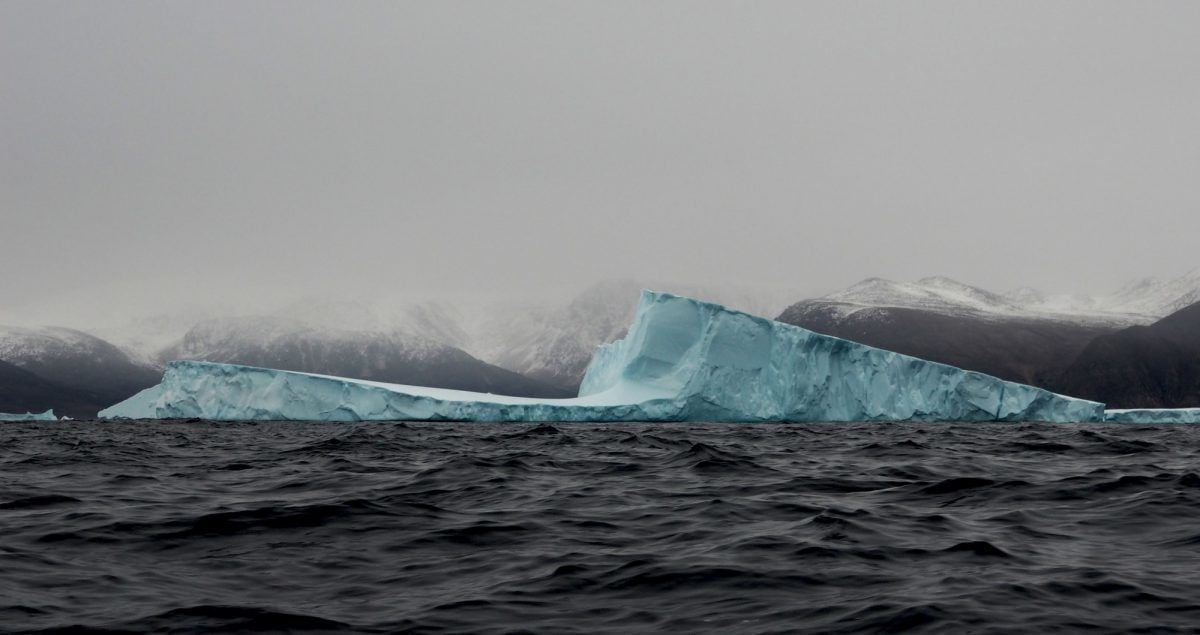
590 528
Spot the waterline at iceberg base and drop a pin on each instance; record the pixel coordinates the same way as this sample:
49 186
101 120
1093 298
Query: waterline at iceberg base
683 360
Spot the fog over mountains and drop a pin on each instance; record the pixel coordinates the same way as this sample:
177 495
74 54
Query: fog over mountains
86 369
542 349
388 355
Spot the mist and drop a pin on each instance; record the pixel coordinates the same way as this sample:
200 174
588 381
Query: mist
156 154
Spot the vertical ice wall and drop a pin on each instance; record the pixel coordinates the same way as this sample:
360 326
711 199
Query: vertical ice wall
728 365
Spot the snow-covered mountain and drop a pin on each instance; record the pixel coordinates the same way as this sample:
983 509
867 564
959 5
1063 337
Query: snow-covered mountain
76 360
1155 297
360 349
1023 335
553 342
417 320
145 338
546 341
543 348
1139 302
935 294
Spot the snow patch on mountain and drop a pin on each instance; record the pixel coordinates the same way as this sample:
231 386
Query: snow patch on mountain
935 293
222 339
145 338
1156 297
76 360
24 346
1140 302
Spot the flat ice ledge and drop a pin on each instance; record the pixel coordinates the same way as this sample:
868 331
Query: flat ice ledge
228 392
683 360
1153 415
29 416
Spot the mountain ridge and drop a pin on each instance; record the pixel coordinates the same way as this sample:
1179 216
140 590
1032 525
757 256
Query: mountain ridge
1022 335
387 356
1143 366
76 360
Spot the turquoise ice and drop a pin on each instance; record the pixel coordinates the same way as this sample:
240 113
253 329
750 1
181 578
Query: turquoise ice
1154 415
682 360
29 416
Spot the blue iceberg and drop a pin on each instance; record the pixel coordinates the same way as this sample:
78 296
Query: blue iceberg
1153 415
682 360
29 416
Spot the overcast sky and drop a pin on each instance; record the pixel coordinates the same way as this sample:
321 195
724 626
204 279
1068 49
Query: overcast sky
495 146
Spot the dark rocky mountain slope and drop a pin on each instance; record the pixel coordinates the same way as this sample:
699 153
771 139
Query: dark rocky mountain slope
1024 349
22 391
77 362
1154 366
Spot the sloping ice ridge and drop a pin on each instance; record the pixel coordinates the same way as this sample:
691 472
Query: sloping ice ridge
683 360
29 416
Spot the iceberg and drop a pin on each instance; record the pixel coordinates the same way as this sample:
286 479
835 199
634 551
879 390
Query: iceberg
1153 415
29 416
682 360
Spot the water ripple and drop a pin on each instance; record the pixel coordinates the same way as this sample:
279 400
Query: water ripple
566 528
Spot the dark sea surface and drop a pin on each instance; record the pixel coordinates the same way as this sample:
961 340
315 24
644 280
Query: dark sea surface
617 528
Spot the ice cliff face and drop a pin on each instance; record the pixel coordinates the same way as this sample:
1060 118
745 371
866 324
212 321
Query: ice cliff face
726 365
555 343
683 360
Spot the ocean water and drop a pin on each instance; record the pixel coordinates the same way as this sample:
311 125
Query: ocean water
386 527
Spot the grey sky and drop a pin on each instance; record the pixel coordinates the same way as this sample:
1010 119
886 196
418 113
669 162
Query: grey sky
491 146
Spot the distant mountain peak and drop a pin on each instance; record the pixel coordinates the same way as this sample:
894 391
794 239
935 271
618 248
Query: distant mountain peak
937 293
943 281
1138 302
1026 295
76 360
